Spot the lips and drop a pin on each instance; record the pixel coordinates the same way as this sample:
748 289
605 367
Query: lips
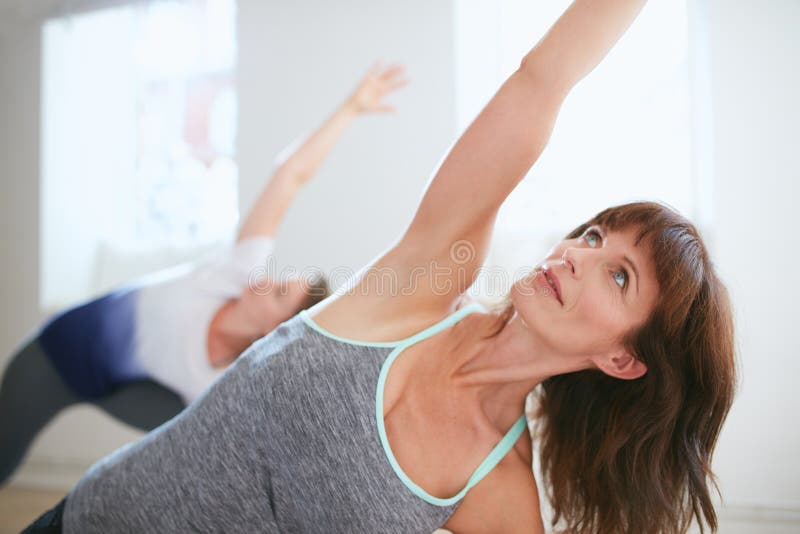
554 284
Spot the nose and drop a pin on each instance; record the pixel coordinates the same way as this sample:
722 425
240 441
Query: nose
571 258
568 261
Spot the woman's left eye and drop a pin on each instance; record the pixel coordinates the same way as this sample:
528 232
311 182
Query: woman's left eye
621 278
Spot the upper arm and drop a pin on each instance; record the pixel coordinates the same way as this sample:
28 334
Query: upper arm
438 257
481 170
509 503
248 260
518 511
520 516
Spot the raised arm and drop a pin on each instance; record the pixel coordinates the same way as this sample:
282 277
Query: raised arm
504 141
301 160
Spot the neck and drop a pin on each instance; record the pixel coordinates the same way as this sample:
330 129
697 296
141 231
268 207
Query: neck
497 373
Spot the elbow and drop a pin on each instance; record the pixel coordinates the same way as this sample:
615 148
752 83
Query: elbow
531 63
289 171
537 69
285 166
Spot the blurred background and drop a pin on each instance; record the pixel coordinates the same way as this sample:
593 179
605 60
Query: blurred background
133 134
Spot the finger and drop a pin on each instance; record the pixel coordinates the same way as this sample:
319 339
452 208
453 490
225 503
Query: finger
384 108
393 71
397 84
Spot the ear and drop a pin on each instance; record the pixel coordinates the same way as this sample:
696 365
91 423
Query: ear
621 364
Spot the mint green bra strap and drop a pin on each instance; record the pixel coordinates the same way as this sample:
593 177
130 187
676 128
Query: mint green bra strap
419 336
445 323
498 452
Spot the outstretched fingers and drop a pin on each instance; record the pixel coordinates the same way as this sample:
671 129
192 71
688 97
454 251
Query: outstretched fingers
379 81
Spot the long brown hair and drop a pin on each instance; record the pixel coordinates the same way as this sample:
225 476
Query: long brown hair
634 456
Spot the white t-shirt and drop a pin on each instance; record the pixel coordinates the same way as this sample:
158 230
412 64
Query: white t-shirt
174 311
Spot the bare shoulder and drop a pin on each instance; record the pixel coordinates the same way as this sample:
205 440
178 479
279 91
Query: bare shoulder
381 306
507 500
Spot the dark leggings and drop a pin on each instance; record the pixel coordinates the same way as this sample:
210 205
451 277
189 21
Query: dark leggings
32 393
49 522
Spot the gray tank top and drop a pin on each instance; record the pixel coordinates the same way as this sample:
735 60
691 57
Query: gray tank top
290 439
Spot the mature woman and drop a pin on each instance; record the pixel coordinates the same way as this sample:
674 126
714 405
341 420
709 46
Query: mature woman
144 352
327 426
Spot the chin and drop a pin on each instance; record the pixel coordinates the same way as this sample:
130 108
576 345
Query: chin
521 288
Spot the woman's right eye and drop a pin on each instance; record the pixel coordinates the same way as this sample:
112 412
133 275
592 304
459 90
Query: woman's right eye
591 235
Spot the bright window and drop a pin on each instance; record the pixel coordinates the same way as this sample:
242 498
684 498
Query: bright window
138 133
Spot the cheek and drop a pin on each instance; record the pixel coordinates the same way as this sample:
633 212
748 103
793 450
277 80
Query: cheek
592 303
589 324
602 323
268 304
291 300
289 306
599 308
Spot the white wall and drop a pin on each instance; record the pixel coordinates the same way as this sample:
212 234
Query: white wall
300 59
296 62
754 56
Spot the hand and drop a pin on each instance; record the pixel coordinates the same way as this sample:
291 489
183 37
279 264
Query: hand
379 82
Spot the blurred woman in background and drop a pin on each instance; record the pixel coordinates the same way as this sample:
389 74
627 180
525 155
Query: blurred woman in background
145 351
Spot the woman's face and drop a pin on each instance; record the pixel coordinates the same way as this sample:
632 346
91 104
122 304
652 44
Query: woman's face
606 287
275 301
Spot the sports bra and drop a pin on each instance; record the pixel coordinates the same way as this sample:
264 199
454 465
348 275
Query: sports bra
291 438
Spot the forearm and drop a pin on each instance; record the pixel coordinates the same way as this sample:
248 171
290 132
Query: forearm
581 38
271 206
291 173
302 159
